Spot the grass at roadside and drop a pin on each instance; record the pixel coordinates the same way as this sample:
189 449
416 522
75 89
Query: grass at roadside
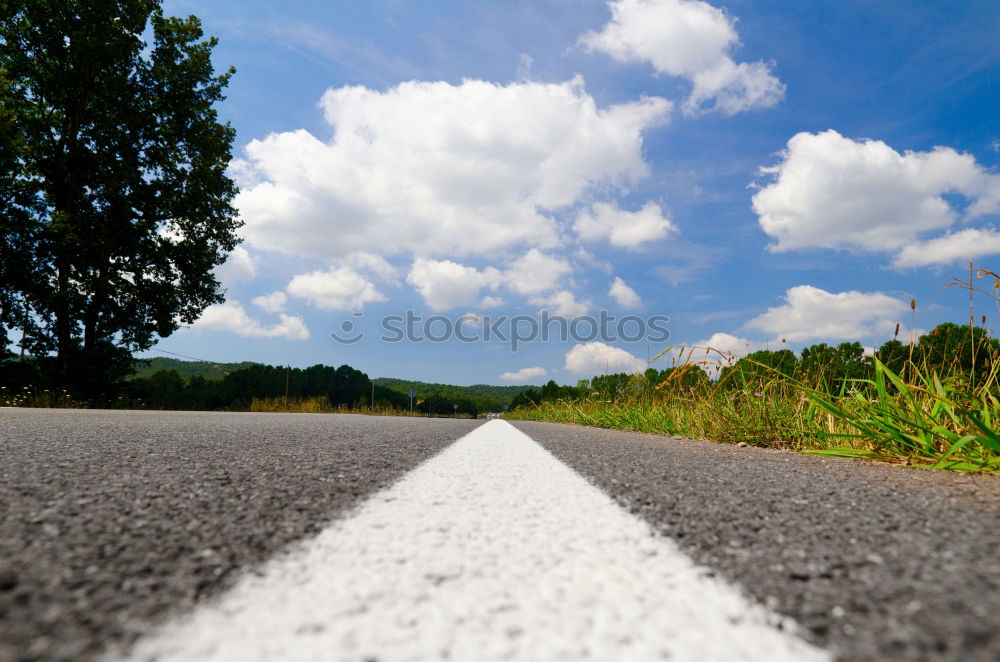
918 418
30 397
314 405
321 405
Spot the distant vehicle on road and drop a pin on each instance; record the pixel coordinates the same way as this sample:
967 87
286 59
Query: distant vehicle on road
490 416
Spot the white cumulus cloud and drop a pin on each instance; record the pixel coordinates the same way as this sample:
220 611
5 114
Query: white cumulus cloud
338 288
524 374
627 229
728 344
238 267
433 168
230 316
535 272
273 302
562 304
714 353
374 264
445 284
491 302
963 245
829 191
811 313
596 358
624 295
693 40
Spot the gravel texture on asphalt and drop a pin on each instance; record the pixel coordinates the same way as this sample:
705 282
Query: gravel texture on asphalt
110 521
876 562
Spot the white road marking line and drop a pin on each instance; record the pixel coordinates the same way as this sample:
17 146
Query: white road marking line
492 550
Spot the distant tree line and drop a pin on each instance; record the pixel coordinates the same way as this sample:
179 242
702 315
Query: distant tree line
342 387
187 369
610 386
163 383
441 399
166 389
491 393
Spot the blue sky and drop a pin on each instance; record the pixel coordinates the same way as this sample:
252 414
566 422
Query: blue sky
753 171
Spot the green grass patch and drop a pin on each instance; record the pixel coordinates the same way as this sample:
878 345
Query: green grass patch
914 417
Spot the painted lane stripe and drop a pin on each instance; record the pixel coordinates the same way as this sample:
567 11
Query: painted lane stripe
492 550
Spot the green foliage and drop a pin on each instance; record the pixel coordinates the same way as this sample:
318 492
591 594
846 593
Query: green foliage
759 418
166 383
527 398
188 369
940 410
120 207
499 393
552 391
616 386
548 392
681 378
954 348
609 386
832 369
16 208
441 398
167 389
893 355
927 418
757 368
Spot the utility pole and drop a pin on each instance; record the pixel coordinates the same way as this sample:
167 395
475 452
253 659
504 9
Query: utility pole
288 370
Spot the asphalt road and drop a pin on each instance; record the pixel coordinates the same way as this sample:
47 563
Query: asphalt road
113 521
491 551
876 562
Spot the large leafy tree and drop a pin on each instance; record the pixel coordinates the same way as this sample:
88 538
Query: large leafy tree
833 368
951 348
115 202
16 204
759 368
894 354
681 377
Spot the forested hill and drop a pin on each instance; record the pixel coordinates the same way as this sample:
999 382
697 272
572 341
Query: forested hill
188 369
502 394
216 371
175 384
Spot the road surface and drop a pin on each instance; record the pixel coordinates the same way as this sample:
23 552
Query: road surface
169 535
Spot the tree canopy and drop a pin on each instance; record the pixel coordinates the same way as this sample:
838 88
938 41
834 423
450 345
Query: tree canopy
833 368
168 389
761 366
951 346
116 203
